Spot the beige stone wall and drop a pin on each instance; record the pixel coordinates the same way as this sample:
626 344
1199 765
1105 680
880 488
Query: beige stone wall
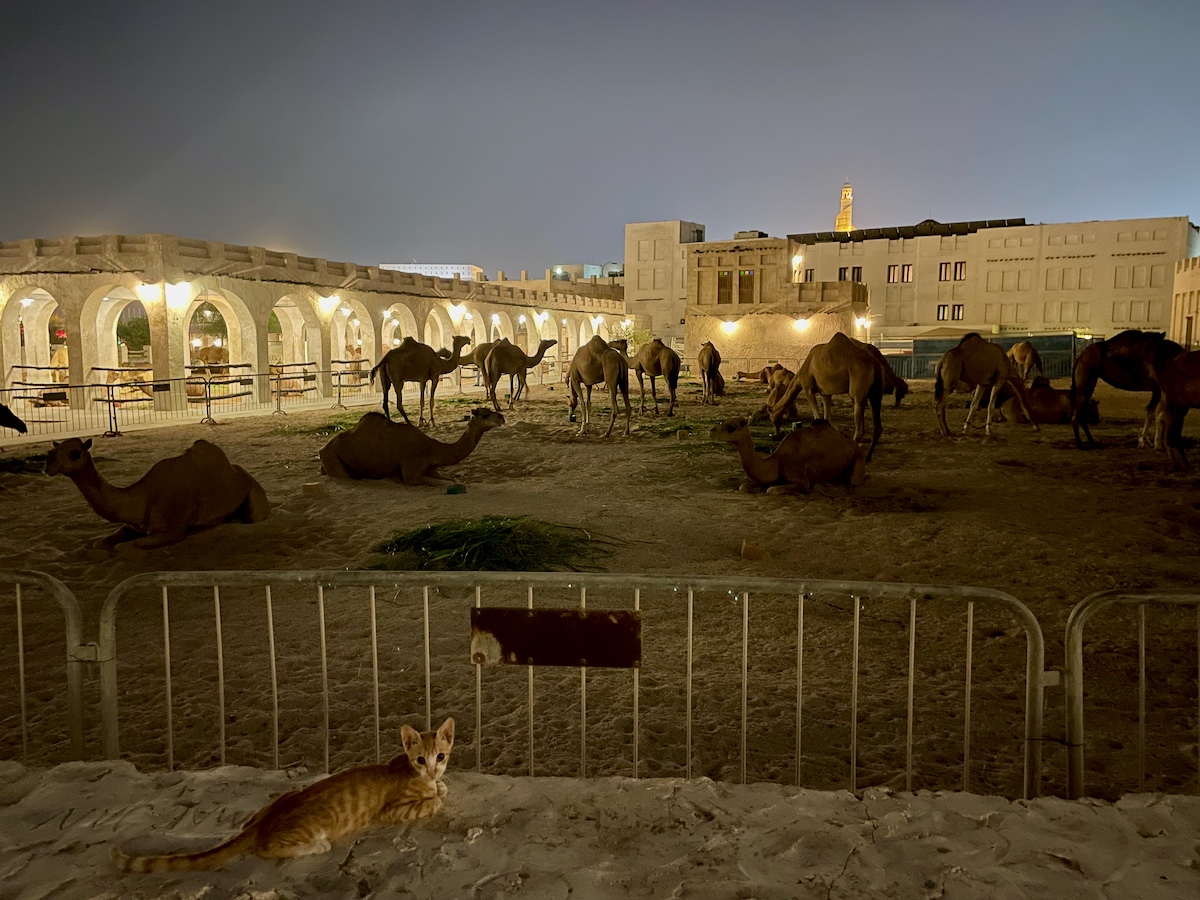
1185 305
656 272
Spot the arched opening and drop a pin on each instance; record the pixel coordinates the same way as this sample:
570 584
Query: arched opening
523 334
35 348
398 323
207 336
351 332
438 328
292 329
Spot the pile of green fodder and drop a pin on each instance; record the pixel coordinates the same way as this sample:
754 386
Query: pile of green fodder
23 465
328 428
494 544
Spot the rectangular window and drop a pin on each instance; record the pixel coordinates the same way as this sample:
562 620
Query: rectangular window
810 274
942 311
960 271
893 274
843 273
956 312
724 286
746 286
906 273
856 274
944 272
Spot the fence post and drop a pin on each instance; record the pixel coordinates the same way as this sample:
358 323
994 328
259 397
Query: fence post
208 416
113 429
279 394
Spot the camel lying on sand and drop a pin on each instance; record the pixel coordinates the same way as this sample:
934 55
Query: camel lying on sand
9 419
762 376
508 359
652 360
1024 356
377 447
711 380
1126 362
1050 406
815 454
197 489
839 366
980 364
414 361
1177 375
593 363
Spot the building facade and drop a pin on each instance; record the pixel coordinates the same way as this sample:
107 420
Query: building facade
434 270
1006 276
656 273
1185 307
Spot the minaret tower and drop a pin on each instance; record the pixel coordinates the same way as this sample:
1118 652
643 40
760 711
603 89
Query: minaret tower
843 218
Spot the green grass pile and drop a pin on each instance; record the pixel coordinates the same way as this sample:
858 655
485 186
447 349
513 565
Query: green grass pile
493 544
22 465
340 422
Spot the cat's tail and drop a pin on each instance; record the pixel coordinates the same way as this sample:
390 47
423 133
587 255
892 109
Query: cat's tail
238 845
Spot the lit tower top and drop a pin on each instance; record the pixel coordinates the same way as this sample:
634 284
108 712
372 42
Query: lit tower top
843 217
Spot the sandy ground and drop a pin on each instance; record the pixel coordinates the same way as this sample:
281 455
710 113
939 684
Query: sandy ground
1022 512
611 837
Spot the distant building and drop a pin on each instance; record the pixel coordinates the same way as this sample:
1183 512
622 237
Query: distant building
585 271
1185 308
434 270
845 217
656 273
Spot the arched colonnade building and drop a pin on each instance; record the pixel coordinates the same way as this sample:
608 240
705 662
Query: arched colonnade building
325 309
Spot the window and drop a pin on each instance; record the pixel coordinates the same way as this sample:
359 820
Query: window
856 274
810 274
746 286
906 273
724 286
960 271
942 311
893 274
843 273
956 312
944 272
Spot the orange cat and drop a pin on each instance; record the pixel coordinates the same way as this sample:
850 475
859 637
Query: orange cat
308 820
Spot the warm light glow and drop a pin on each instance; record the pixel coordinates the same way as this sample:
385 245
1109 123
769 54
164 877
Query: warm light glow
558 270
597 321
469 317
216 342
862 322
521 320
359 342
627 323
541 317
104 299
802 324
729 327
495 318
796 260
346 310
148 292
328 304
196 343
179 295
28 301
395 342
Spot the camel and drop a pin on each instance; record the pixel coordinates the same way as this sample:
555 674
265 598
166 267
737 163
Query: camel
377 447
762 376
1177 375
478 358
509 359
9 419
710 373
892 383
1049 405
1125 362
593 363
977 363
210 356
179 495
414 361
654 359
839 366
813 455
1027 360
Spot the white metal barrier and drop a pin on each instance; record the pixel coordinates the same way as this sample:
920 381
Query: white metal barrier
1083 612
16 584
479 588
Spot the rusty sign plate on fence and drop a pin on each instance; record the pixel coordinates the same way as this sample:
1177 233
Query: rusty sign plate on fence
607 638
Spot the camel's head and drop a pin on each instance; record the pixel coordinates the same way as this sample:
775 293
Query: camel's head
461 340
67 457
546 343
10 419
901 389
621 344
486 419
729 430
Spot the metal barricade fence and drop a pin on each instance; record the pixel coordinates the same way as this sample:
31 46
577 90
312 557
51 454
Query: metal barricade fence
265 611
1083 612
19 588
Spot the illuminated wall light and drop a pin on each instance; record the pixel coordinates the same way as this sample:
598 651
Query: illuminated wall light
395 342
541 317
495 318
346 310
564 321
469 317
802 324
797 260
196 343
28 301
217 342
862 322
627 322
354 322
179 295
359 342
597 321
148 292
520 320
328 304
729 327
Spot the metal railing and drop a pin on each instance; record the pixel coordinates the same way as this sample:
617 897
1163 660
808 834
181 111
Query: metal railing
18 585
1083 612
670 634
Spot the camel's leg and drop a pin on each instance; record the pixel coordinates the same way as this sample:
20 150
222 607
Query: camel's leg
1081 393
1147 437
642 389
573 400
624 388
860 416
1024 408
991 405
160 538
331 463
811 401
120 536
976 396
671 388
432 390
653 395
875 398
400 402
586 413
1173 434
612 419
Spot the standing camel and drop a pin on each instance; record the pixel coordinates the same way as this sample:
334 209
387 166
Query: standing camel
1028 361
892 383
509 359
478 356
653 359
593 363
980 364
839 366
711 379
1123 362
1177 374
414 361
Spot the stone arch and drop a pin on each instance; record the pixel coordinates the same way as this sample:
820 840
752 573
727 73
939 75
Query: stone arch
299 330
601 327
240 326
525 333
475 325
398 323
438 327
500 325
351 328
100 315
26 339
586 331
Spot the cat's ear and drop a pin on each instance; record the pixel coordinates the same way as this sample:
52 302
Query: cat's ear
446 732
410 737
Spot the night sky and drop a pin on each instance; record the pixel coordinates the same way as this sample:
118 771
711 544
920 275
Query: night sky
520 135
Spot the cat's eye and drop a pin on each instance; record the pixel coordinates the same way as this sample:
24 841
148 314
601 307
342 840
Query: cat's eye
420 760
441 756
